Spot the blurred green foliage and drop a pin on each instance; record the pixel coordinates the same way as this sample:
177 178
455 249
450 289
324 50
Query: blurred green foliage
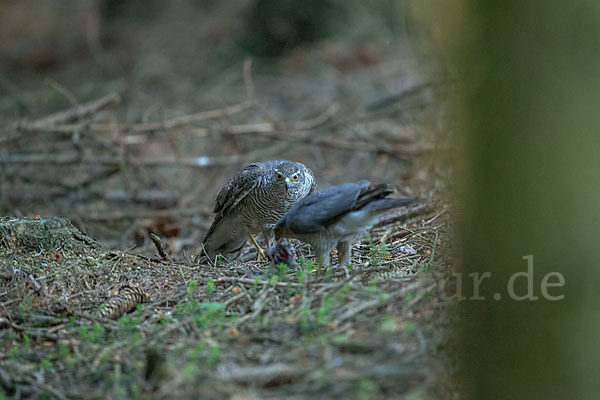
531 187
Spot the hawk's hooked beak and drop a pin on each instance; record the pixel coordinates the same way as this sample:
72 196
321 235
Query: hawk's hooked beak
287 183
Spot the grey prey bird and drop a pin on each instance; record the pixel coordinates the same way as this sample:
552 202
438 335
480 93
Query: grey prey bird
337 217
252 201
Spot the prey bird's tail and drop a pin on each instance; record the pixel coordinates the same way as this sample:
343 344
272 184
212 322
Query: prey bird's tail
386 204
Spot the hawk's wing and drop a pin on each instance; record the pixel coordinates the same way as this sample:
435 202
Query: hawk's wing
308 172
237 188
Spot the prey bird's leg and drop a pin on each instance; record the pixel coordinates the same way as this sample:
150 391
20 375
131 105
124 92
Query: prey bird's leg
344 250
323 260
259 250
269 236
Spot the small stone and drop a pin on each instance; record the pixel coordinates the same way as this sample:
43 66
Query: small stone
407 248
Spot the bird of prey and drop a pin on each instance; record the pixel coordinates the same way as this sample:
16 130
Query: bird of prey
252 201
337 217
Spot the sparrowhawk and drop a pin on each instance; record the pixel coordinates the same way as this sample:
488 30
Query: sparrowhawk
252 201
337 217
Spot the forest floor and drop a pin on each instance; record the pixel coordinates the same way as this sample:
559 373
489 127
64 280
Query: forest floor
109 317
379 330
241 330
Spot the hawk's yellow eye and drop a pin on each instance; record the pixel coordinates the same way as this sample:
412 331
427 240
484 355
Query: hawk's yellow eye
295 177
278 177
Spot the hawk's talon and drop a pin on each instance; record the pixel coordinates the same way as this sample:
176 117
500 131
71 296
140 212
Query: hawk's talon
260 252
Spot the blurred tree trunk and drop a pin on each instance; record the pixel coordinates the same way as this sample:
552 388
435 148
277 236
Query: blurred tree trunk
531 186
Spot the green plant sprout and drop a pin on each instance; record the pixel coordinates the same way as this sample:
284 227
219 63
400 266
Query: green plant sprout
282 269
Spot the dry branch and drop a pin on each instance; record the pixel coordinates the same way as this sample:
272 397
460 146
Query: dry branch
292 135
405 214
395 98
175 122
263 374
361 306
53 123
187 162
162 249
253 281
73 113
148 214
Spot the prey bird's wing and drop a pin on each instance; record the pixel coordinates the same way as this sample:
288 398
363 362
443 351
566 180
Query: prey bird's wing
319 210
237 188
371 193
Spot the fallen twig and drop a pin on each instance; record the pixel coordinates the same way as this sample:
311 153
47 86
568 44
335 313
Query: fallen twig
54 392
225 279
175 122
394 98
188 162
55 123
70 114
160 246
361 306
263 374
149 214
257 306
404 214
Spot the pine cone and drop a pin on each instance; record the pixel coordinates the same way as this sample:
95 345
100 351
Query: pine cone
126 300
